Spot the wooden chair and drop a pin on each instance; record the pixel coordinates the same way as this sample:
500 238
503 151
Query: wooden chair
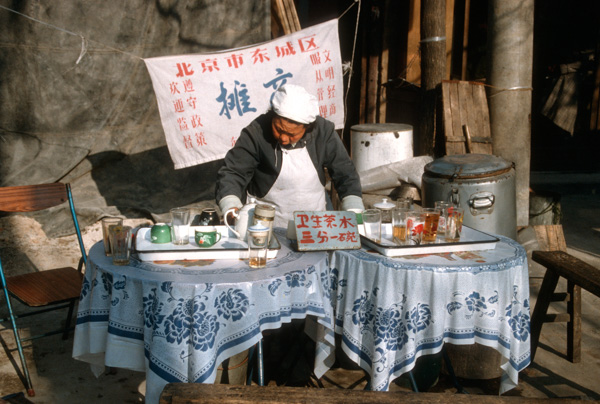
559 263
43 290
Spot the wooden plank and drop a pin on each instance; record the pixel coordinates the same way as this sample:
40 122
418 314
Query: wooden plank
455 119
197 393
277 6
475 121
30 198
465 101
570 268
481 96
446 112
291 15
550 237
449 35
413 74
481 120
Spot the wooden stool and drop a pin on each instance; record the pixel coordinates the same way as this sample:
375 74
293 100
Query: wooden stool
578 275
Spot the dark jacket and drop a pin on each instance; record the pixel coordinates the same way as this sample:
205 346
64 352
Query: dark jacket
254 163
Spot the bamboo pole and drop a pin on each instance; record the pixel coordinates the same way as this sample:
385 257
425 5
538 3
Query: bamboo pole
433 69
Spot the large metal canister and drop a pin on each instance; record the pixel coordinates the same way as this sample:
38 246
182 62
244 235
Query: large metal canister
377 144
482 184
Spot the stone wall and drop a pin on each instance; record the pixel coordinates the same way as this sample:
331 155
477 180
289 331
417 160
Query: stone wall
91 119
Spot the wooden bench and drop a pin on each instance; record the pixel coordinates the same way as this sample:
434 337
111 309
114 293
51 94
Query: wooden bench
578 274
552 238
197 393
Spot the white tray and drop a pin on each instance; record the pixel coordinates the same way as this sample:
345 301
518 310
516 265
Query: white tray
470 240
229 247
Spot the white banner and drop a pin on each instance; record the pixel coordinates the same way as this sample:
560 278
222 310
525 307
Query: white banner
205 100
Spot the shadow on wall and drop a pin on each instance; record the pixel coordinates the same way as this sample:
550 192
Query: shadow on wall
146 183
142 185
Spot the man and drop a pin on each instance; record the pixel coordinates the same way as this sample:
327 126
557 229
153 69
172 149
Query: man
280 159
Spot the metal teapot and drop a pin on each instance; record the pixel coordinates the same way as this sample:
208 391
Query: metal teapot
243 219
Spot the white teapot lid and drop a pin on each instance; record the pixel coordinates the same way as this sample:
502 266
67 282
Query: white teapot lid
258 228
384 204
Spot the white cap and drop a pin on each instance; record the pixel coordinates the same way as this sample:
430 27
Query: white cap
294 102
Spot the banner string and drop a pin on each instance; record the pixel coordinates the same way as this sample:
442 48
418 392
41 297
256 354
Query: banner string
351 63
84 44
84 41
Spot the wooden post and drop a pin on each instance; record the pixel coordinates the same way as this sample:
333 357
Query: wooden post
374 50
465 44
413 72
433 69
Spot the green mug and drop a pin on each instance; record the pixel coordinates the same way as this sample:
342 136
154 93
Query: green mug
160 233
207 236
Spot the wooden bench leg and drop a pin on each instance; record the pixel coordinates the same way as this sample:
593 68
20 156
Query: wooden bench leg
574 324
541 307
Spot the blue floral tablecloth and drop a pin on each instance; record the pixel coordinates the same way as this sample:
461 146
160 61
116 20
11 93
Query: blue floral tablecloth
177 321
390 311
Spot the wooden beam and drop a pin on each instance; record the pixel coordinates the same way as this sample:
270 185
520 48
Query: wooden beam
413 57
198 393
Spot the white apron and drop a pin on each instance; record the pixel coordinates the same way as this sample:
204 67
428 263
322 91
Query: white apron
296 188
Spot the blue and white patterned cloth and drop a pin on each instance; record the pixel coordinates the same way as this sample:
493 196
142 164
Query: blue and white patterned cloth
390 311
178 321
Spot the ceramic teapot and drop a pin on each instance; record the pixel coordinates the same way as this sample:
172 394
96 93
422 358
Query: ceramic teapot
243 219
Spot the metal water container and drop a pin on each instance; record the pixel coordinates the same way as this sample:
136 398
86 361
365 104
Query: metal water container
482 184
377 144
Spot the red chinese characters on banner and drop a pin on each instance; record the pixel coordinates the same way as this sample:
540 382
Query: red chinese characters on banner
205 100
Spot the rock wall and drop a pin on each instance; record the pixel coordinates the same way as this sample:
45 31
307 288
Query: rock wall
78 104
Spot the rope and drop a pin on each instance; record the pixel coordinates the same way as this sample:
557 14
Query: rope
502 89
351 63
84 41
554 207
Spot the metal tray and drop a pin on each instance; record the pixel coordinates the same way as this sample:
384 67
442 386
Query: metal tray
470 240
229 247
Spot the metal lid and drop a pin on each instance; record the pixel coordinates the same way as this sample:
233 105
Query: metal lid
468 166
263 210
381 127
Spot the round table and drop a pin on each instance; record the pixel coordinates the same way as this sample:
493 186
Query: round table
177 321
390 311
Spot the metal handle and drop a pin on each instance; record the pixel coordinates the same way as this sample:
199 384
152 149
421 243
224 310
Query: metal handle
455 197
482 202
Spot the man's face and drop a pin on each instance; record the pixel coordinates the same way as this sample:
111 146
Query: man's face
286 131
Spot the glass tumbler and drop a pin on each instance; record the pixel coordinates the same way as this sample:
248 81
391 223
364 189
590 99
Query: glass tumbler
258 240
106 223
